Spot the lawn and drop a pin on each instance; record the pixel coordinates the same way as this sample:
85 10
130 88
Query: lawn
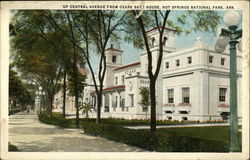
217 133
135 122
199 139
195 139
71 123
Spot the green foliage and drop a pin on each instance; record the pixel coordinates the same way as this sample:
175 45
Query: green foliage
86 108
40 50
154 141
19 92
13 148
133 30
143 122
182 21
14 110
75 83
204 20
145 96
57 120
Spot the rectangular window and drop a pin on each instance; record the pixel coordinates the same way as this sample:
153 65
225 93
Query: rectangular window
113 59
131 100
185 95
211 59
222 61
116 80
189 60
177 62
145 109
222 94
123 79
170 95
167 64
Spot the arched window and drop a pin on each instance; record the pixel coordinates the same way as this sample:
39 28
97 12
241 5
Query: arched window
165 41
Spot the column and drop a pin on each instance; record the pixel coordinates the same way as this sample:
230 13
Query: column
103 103
110 101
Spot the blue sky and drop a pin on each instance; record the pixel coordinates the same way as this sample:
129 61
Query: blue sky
132 54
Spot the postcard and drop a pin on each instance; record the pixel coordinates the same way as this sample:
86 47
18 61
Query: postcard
124 80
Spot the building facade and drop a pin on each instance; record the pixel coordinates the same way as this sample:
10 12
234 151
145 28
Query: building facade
193 83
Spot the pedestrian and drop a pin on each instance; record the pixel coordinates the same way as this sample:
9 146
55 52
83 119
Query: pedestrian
27 109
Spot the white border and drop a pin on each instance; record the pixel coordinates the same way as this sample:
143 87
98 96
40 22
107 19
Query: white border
4 59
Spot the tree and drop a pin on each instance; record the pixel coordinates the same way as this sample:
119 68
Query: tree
15 87
145 100
86 108
19 92
159 19
39 60
96 28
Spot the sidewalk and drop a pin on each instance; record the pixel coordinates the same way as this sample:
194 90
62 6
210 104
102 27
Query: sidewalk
179 125
30 135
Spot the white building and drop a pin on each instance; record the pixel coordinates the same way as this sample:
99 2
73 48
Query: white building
193 83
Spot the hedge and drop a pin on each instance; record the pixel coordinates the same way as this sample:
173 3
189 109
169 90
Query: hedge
54 120
14 110
154 141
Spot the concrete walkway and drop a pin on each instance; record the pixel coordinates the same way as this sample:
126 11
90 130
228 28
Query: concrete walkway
180 125
29 135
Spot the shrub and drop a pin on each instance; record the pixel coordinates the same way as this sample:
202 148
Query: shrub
13 148
54 120
14 110
153 141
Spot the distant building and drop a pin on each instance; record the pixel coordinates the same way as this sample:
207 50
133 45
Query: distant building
193 83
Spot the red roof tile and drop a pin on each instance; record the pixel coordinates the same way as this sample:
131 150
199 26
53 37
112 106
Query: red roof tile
129 65
111 88
114 87
113 49
169 29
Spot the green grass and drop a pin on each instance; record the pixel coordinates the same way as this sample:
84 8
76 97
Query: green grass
160 141
109 128
134 122
217 133
71 123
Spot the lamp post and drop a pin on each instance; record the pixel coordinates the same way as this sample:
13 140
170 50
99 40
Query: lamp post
230 36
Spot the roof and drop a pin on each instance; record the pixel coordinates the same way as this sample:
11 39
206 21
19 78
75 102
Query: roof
126 66
169 29
114 88
113 49
111 88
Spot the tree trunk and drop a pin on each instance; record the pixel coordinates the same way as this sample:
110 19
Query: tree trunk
14 103
47 105
153 105
43 105
51 105
64 92
99 104
77 110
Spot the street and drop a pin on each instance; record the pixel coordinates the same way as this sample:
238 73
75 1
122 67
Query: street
30 135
